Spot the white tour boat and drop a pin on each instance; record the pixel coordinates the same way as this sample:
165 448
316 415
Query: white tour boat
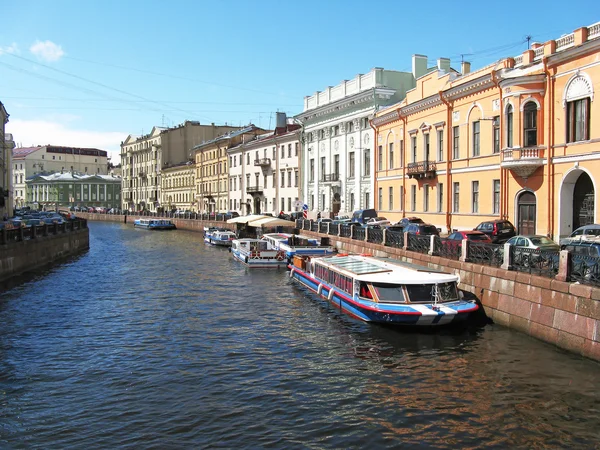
154 224
257 253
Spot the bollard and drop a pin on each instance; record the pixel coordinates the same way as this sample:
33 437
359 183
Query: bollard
464 250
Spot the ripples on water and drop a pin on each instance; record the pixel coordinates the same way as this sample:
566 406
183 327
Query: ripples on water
153 340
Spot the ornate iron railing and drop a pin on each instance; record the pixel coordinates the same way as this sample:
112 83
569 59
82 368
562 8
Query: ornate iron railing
418 243
299 223
422 169
530 260
394 239
334 229
345 231
32 232
323 227
314 226
359 234
585 269
447 248
375 235
487 254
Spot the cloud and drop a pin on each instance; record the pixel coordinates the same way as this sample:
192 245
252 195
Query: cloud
47 50
12 48
28 133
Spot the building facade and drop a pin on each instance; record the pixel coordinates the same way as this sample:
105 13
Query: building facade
264 173
514 140
29 161
72 189
143 158
337 154
6 147
178 187
212 168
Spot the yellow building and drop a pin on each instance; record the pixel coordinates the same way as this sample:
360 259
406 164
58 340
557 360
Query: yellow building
178 187
513 140
212 170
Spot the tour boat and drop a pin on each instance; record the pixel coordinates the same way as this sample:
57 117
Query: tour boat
208 232
257 253
222 238
154 224
382 291
293 244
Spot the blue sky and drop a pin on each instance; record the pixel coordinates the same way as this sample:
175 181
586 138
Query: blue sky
88 73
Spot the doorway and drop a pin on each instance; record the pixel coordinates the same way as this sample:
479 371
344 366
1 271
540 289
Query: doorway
583 201
526 213
257 205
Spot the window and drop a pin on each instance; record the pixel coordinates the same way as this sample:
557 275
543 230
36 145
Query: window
456 199
425 197
367 199
496 198
496 134
352 201
380 198
530 125
350 130
296 149
274 153
322 168
440 197
367 160
578 120
311 170
289 150
391 198
295 177
289 183
413 198
336 166
476 150
351 164
426 145
475 196
282 204
282 178
323 201
456 140
391 155
380 158
509 126
312 201
247 159
440 144
274 180
413 145
401 191
336 130
289 208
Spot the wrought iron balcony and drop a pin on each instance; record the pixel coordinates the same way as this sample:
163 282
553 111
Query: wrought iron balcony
332 178
262 162
422 169
254 190
523 161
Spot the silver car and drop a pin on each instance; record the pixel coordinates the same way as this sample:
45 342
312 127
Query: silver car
586 232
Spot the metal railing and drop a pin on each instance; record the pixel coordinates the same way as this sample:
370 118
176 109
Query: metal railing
418 243
447 248
375 235
358 233
323 227
531 260
345 231
394 239
334 229
585 269
485 253
35 231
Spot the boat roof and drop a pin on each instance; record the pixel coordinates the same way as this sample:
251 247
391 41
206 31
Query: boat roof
377 270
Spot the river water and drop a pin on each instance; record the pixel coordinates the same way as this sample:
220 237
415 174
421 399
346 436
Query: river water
155 340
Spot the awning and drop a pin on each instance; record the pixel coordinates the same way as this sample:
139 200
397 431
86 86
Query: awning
246 219
271 222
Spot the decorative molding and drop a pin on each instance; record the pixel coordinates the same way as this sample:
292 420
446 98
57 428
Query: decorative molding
579 86
413 131
530 99
439 124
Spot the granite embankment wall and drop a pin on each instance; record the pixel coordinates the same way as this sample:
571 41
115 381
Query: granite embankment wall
20 257
181 224
564 314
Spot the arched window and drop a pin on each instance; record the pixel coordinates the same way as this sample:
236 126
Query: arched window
509 126
530 125
578 95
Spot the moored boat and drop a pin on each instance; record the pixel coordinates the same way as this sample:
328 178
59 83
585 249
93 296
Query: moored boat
222 238
382 291
292 244
154 224
208 232
257 253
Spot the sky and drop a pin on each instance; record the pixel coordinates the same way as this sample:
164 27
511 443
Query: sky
90 73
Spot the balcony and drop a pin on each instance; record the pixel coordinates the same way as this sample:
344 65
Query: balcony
523 161
263 162
254 190
331 178
421 170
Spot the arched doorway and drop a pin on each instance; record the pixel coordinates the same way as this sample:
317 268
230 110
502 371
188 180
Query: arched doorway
583 201
577 201
526 213
336 205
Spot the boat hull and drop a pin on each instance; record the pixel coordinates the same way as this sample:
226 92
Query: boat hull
258 262
410 315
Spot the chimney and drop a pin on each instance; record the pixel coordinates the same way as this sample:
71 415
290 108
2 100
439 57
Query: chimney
443 64
419 65
281 120
465 67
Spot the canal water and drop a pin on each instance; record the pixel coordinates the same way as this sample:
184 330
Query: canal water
155 340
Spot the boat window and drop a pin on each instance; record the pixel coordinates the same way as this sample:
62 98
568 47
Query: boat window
389 293
425 293
364 290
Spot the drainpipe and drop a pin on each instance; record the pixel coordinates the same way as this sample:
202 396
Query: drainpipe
502 207
448 159
375 153
550 147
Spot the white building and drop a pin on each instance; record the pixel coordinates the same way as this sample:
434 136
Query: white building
337 155
264 172
6 146
30 161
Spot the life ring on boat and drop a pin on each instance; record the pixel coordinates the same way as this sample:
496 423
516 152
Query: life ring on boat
342 254
280 255
365 254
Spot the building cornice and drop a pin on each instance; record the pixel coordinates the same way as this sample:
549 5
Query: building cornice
345 103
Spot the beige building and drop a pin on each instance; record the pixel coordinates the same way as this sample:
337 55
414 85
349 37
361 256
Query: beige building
30 161
178 187
144 157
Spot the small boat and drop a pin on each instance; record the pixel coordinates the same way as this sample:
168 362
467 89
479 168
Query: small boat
257 253
382 291
293 244
222 238
154 224
208 232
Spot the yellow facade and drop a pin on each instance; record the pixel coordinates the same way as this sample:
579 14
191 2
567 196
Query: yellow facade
178 188
514 140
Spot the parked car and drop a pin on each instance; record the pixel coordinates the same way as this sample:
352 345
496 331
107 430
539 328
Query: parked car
585 259
381 221
408 220
363 215
534 242
422 229
396 228
499 231
582 233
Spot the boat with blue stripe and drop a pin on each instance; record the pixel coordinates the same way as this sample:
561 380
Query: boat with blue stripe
257 253
294 244
385 291
154 224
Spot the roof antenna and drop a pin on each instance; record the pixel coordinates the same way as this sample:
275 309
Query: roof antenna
528 39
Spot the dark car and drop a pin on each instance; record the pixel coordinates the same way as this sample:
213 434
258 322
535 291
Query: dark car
499 231
422 229
363 215
408 220
585 256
